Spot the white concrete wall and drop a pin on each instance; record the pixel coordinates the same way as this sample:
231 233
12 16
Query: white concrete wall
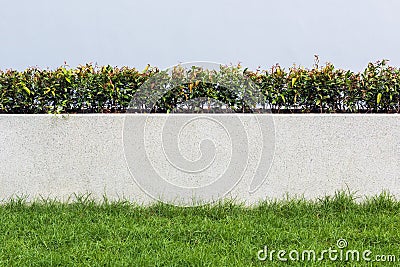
306 155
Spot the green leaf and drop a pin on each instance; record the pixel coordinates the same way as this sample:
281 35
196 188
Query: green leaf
27 90
378 98
293 81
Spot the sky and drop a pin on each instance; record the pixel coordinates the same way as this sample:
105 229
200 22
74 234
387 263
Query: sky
347 33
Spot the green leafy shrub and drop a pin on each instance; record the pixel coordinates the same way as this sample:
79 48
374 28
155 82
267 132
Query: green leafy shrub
84 89
104 89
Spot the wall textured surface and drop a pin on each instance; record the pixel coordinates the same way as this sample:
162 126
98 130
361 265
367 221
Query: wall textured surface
306 155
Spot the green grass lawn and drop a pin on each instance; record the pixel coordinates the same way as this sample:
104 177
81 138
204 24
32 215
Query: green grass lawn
84 233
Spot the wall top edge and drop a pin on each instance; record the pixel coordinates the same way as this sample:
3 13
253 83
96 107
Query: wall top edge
206 114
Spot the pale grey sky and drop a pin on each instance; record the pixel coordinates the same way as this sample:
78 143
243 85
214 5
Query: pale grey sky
347 33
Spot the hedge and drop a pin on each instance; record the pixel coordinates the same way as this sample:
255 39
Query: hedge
100 89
